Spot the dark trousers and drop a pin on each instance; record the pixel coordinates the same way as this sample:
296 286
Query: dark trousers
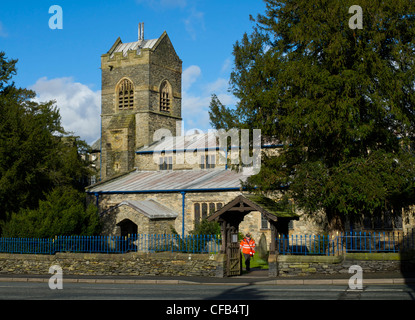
247 261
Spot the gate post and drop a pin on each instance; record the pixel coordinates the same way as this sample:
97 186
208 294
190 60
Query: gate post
273 253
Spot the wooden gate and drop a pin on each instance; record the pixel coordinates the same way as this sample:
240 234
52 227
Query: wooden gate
234 266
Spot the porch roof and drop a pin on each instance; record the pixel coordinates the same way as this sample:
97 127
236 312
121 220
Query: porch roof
244 204
149 208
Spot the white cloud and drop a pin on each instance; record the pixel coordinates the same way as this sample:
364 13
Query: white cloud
219 85
190 75
226 65
79 106
195 103
194 21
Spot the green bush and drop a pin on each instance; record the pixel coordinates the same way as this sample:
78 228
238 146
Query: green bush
63 213
206 228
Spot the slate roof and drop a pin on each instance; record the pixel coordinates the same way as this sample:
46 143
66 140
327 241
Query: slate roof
96 146
179 143
150 208
171 181
198 141
137 46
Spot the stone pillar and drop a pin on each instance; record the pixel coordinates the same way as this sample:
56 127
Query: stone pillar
273 265
220 265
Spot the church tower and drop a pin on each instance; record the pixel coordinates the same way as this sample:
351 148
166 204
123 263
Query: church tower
141 93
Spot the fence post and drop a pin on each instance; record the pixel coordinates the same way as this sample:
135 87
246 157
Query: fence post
328 245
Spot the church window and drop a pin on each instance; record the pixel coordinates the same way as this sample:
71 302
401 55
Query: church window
197 213
165 163
212 208
202 210
264 222
207 162
125 95
382 220
165 96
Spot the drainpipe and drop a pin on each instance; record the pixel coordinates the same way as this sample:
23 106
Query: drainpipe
183 206
96 194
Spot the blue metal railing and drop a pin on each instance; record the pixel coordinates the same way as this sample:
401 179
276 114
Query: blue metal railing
113 244
294 244
345 242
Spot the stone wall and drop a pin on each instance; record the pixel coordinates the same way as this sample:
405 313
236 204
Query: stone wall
187 160
200 265
111 219
172 200
131 264
291 265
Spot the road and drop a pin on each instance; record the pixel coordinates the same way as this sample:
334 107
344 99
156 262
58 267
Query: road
117 291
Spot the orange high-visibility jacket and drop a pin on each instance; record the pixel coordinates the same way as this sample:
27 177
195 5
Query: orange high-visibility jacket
247 247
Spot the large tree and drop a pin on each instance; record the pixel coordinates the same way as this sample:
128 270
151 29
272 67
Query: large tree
36 154
341 100
63 212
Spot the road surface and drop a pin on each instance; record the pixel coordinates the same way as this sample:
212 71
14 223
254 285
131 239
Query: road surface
119 291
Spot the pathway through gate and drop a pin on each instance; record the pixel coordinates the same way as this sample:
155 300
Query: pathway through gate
231 215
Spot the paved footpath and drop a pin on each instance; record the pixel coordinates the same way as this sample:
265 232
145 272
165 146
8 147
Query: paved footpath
253 277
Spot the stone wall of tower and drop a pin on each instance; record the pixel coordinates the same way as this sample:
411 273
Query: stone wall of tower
123 131
166 65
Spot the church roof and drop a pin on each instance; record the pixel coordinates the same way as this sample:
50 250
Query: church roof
137 46
172 181
213 140
198 141
150 208
246 203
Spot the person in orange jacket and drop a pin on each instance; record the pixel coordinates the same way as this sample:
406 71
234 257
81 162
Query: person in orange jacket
247 246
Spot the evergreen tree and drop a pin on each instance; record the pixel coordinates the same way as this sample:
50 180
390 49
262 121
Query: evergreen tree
62 213
341 101
36 154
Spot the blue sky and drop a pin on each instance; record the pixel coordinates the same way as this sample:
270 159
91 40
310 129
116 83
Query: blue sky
63 64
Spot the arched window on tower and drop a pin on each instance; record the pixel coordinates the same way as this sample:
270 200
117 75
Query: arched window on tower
125 95
165 96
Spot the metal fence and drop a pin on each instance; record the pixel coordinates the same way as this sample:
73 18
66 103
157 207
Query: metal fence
370 242
112 244
294 244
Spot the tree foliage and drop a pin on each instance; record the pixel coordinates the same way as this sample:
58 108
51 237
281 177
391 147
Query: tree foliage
341 101
63 212
206 228
36 154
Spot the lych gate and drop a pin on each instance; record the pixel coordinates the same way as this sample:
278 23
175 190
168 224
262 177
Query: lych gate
233 213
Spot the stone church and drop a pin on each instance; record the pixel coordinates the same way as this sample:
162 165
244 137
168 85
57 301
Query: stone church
147 183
